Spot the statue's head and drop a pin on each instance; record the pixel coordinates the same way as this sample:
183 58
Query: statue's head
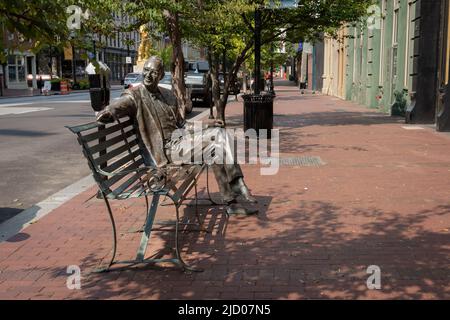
153 72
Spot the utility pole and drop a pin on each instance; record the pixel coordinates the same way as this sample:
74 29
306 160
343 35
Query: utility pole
272 89
257 50
74 75
128 53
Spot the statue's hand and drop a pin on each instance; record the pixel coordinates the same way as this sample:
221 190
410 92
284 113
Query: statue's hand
219 123
105 116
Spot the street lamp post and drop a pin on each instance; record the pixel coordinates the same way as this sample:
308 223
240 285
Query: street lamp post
257 50
128 54
272 88
74 75
258 108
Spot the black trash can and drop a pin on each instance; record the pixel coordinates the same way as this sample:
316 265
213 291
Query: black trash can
258 112
99 92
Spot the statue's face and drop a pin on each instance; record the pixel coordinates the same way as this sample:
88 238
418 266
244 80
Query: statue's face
153 73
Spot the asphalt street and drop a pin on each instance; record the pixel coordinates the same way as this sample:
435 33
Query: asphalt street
39 156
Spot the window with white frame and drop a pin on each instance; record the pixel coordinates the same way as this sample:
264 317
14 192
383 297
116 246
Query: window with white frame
395 23
409 44
16 68
354 54
382 37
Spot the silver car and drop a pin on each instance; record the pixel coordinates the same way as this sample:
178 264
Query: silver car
132 80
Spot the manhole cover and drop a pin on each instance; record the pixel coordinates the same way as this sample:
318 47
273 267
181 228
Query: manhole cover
305 161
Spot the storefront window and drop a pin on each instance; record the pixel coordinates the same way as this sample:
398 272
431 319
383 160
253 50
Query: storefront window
12 59
21 69
12 73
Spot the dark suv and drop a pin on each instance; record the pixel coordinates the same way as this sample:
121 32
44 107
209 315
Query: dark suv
197 80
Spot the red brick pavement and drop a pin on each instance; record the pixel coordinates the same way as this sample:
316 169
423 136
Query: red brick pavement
382 198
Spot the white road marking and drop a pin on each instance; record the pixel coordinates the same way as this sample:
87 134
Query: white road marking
20 110
70 101
15 104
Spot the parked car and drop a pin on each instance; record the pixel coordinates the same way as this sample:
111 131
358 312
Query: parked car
166 82
235 88
197 80
132 80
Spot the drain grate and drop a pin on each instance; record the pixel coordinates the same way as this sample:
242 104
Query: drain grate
305 161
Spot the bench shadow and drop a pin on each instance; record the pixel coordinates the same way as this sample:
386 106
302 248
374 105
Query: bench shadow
307 251
7 213
292 259
11 227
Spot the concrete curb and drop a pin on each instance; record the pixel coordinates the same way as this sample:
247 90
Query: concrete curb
31 215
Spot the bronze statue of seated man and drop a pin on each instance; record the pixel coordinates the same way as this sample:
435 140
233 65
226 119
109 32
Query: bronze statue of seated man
158 117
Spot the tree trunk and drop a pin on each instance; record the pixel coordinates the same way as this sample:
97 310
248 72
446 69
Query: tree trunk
214 74
228 80
177 67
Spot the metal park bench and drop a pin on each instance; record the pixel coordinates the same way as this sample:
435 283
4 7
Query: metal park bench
123 169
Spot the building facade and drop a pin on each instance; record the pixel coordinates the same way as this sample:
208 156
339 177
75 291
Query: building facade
397 62
20 65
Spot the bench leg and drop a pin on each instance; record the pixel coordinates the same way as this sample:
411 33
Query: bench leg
147 228
113 224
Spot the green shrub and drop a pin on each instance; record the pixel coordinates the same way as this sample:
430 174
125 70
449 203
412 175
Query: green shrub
399 106
84 84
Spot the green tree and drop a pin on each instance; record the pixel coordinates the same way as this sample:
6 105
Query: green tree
229 26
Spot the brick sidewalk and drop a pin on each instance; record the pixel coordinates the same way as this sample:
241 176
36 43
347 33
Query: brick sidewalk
381 198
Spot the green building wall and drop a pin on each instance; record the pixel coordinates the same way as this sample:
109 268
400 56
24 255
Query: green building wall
369 48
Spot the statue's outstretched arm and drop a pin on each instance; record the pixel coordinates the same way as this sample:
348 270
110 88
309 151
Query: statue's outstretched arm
124 106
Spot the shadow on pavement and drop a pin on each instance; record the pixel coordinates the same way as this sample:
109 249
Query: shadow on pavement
306 252
7 213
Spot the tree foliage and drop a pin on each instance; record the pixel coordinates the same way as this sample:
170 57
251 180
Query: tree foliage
224 27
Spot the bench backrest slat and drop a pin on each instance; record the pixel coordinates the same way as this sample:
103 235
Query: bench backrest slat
135 155
112 149
111 181
111 142
115 152
103 133
128 183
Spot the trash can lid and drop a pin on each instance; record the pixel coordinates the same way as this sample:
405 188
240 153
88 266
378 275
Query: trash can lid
99 68
268 97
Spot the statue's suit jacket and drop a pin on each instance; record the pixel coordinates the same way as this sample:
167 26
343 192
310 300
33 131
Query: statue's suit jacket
149 121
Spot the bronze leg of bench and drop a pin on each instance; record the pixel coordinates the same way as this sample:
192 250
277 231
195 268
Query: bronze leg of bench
147 228
113 224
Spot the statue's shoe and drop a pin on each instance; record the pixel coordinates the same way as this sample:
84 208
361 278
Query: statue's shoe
237 210
240 188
